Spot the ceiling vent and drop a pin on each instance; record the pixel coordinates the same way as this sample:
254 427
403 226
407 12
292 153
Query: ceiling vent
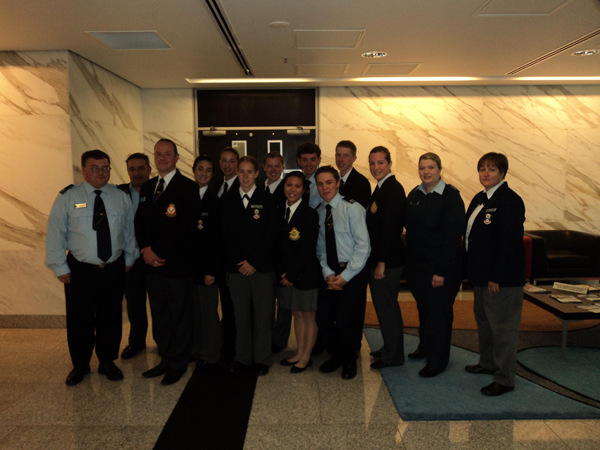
390 69
559 50
328 39
131 40
325 70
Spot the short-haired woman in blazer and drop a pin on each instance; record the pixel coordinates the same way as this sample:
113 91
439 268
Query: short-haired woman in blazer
298 269
435 223
249 225
207 260
496 269
385 221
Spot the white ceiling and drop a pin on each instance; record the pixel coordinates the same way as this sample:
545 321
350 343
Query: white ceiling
440 38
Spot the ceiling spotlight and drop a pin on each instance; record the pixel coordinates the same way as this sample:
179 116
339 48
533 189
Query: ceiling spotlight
585 53
279 24
374 54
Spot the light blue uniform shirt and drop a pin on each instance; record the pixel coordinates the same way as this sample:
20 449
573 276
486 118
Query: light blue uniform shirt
351 236
70 227
314 199
438 189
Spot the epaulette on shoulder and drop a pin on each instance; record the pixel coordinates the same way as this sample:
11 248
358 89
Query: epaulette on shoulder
349 200
66 189
452 187
124 188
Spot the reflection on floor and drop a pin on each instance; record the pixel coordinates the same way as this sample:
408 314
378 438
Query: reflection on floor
307 410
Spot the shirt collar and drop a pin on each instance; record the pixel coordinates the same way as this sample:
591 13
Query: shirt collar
294 207
203 191
438 189
89 189
231 180
334 201
380 183
491 191
250 193
345 177
312 178
168 177
273 185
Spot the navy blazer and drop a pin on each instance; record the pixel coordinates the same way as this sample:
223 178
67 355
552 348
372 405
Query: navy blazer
249 233
278 195
385 221
496 251
297 248
208 254
357 187
167 224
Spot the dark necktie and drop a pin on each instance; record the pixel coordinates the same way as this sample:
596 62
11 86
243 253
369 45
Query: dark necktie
246 198
159 189
481 198
286 219
330 245
267 188
102 229
342 184
225 189
306 193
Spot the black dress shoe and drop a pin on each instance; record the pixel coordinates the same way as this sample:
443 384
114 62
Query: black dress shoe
157 371
296 369
172 376
495 389
261 369
112 372
348 371
237 367
131 350
429 372
276 348
76 375
377 353
379 364
331 365
286 362
417 354
477 369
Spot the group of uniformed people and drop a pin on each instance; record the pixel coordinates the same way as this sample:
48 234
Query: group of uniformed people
304 246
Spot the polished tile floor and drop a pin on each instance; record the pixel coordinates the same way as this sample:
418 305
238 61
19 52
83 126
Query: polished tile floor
303 411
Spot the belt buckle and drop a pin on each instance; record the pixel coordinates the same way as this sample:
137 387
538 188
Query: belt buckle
102 266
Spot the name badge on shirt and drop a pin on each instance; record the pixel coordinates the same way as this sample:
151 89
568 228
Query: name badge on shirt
80 205
490 210
256 206
204 214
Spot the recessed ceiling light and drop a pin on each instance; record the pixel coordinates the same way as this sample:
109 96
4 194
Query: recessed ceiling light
131 40
374 54
585 53
279 24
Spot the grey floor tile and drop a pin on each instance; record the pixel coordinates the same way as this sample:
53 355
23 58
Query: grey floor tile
577 434
58 404
356 403
481 435
285 403
78 438
330 437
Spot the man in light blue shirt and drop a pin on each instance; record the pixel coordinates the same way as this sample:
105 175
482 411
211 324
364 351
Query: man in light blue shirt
93 222
343 249
308 158
139 170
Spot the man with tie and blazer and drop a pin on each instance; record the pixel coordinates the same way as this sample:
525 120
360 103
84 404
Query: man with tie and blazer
308 158
164 225
353 184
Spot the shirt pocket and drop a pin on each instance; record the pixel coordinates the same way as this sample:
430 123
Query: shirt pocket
81 219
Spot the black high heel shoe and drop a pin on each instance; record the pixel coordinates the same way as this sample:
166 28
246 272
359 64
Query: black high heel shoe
296 369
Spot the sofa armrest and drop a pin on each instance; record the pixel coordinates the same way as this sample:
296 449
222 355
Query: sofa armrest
585 244
539 263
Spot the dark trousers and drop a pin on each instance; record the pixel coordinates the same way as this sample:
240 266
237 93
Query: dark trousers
385 300
135 295
282 321
340 317
94 318
207 339
171 307
228 316
436 314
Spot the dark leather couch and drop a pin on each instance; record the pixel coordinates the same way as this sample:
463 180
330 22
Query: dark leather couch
564 254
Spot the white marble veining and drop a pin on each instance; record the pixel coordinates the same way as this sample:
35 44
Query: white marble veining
169 113
550 135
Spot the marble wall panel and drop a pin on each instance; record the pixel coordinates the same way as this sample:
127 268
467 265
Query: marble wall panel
106 114
169 113
35 163
550 135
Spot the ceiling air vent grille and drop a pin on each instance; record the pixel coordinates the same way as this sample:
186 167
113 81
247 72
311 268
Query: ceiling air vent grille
549 55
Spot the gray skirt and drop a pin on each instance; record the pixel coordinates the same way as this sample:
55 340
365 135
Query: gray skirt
298 300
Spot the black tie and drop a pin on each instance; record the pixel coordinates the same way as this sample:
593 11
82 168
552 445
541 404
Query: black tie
246 198
102 229
481 198
306 193
267 188
342 184
225 188
159 188
286 219
330 245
